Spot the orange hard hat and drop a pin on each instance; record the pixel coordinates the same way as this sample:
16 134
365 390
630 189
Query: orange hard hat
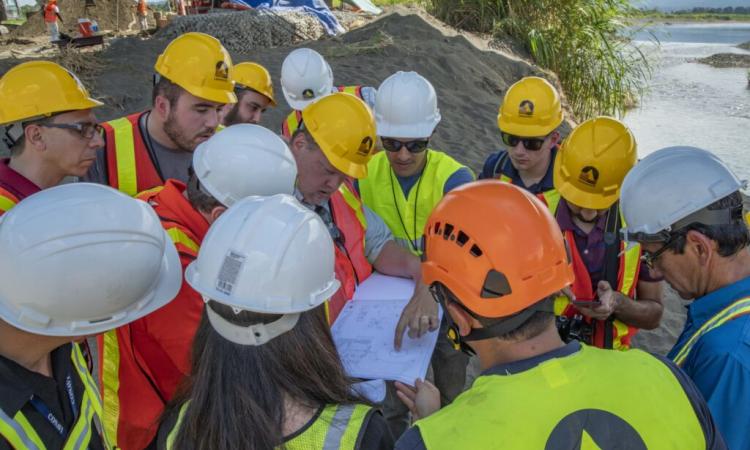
496 248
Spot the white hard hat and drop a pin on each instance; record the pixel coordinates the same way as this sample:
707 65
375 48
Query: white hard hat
305 77
663 192
267 255
406 106
244 160
80 259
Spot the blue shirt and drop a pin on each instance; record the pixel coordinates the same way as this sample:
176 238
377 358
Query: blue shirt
719 362
506 168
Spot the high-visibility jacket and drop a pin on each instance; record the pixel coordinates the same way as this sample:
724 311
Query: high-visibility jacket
130 168
339 427
736 309
352 266
591 399
14 187
143 362
294 118
19 433
50 13
627 281
406 216
551 197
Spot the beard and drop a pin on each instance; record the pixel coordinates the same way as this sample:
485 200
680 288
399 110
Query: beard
233 116
184 142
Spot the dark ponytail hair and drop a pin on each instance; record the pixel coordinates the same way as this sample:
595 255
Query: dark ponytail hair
237 392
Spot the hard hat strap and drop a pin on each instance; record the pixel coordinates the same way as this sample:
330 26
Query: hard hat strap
256 334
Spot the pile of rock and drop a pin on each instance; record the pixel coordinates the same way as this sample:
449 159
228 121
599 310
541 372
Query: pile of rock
241 30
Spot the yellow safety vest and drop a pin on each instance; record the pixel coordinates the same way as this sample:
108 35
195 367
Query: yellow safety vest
338 427
733 311
592 399
406 217
550 198
20 434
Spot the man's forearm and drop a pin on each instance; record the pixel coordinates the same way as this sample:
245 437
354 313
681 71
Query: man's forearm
642 313
396 261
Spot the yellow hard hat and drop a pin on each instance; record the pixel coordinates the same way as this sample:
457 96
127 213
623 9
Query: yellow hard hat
199 64
255 77
592 162
531 108
38 89
344 128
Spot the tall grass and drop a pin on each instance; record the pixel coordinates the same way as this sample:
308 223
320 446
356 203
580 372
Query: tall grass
586 42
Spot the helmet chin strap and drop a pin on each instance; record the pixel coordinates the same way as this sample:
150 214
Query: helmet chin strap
256 334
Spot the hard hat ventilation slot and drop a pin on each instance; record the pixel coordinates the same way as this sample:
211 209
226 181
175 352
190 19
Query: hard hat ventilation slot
495 285
436 228
447 231
462 239
475 251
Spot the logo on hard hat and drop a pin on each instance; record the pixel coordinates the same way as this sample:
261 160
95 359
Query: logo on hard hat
222 71
589 175
308 94
526 108
365 147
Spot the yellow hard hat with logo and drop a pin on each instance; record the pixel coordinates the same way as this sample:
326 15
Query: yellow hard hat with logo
38 89
531 108
344 128
199 64
255 77
592 162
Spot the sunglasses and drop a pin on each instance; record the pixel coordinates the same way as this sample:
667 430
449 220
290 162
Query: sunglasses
415 146
87 130
532 144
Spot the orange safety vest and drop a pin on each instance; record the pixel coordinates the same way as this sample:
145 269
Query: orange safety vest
142 7
129 165
352 266
627 280
294 118
50 16
142 363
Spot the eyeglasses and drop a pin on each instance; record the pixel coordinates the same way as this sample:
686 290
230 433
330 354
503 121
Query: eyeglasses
415 146
531 144
649 258
87 130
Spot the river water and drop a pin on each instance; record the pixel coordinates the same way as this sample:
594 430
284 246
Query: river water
695 104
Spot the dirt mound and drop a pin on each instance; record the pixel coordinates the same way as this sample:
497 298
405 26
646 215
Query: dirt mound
108 14
726 60
239 31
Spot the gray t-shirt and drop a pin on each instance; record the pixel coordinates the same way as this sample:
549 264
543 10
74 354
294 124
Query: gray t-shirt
376 236
171 163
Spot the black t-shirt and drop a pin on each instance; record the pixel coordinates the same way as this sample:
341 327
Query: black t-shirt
375 434
18 385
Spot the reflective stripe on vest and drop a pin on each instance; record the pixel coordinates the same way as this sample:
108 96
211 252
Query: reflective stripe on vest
337 428
291 124
550 198
731 312
109 374
627 276
129 165
21 434
354 90
351 263
407 217
179 237
616 399
7 201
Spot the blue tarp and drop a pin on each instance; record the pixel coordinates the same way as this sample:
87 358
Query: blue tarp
318 8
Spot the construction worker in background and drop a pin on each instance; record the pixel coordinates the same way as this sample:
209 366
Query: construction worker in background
528 121
144 362
49 127
305 77
535 391
141 10
191 87
254 90
332 145
264 339
403 185
51 15
684 206
75 260
614 293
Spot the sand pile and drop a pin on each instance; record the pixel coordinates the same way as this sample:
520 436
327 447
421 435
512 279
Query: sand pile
242 30
726 60
108 14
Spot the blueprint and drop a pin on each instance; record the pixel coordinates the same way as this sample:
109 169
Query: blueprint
364 333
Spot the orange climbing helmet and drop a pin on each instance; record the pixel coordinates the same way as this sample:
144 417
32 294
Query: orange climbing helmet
496 248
